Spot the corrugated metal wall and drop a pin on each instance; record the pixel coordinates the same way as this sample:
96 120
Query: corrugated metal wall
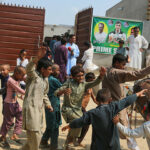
20 28
83 28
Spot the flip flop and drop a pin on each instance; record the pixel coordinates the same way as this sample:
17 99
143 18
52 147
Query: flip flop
18 141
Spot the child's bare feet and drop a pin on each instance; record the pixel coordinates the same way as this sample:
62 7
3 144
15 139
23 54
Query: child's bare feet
15 138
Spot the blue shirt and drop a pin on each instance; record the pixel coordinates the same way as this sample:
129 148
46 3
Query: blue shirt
121 51
72 59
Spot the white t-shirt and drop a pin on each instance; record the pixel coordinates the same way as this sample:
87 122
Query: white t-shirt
23 64
100 37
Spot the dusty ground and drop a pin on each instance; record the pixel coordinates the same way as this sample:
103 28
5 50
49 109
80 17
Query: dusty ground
141 142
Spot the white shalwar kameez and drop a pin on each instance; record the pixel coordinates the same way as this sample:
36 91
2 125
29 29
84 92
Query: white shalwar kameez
88 66
135 44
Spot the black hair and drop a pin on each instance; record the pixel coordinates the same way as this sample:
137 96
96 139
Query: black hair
102 24
43 63
44 44
79 62
19 69
103 95
72 35
63 41
54 37
89 75
22 51
58 38
135 28
88 44
121 41
118 58
75 70
118 22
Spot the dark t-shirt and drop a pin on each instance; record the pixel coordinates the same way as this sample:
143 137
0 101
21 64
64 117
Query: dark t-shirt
3 84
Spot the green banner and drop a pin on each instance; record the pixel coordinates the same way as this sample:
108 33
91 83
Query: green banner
106 33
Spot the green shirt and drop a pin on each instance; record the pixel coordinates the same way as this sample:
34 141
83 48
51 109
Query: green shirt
72 103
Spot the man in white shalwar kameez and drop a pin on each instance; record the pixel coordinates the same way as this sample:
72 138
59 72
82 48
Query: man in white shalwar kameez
137 43
87 58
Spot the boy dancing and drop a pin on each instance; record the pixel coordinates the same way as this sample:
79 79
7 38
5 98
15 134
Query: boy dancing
105 134
73 91
35 97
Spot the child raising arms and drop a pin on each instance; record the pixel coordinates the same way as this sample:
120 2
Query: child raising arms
36 96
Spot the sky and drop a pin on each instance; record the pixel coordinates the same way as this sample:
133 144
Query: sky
64 11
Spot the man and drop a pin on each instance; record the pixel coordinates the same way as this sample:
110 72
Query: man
58 43
104 132
137 43
52 42
73 53
117 34
101 36
115 76
61 58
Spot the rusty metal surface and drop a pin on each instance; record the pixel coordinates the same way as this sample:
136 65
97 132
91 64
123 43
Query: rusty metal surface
20 28
83 28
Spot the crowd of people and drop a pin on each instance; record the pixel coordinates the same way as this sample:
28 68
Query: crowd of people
55 72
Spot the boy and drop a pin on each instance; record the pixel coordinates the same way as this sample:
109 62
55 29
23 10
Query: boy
4 75
79 63
105 134
115 77
142 131
35 97
73 91
12 108
123 50
53 119
88 94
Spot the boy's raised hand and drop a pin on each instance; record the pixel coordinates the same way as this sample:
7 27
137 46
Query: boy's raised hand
65 128
142 93
41 52
116 119
102 71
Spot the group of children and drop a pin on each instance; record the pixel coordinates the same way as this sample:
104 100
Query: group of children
43 88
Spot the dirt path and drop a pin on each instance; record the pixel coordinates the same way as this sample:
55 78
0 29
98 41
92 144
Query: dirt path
141 142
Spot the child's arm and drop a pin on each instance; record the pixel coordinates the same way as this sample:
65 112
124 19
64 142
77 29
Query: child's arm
93 97
16 87
120 105
98 80
46 100
64 89
30 69
135 133
78 123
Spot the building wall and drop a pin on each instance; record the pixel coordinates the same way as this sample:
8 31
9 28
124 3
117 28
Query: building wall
146 30
129 9
51 30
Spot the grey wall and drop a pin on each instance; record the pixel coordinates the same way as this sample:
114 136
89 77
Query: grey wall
129 9
51 30
146 30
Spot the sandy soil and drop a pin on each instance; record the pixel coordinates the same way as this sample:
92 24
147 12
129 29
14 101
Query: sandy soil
141 142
